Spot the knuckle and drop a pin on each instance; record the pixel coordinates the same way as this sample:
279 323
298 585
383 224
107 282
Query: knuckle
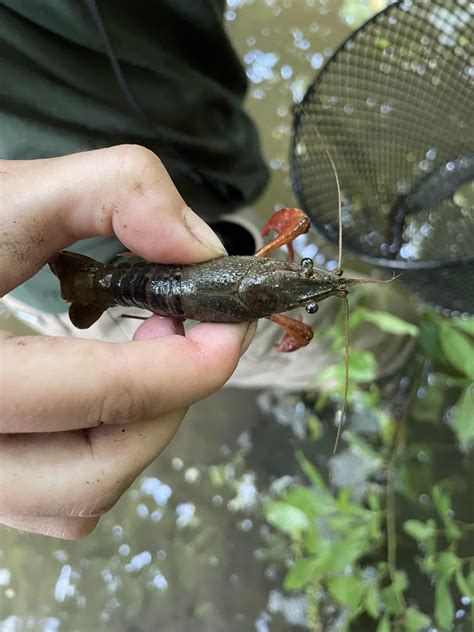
133 170
134 159
121 400
118 405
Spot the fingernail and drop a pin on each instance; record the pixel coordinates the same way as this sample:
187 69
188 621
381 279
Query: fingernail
203 232
248 337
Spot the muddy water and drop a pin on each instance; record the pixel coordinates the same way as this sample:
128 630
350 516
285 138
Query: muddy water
182 550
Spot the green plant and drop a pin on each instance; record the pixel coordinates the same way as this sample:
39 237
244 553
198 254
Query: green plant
344 547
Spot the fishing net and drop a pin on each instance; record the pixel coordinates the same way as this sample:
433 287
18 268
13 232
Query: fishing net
394 107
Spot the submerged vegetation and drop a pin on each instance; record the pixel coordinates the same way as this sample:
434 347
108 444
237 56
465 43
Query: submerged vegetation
393 551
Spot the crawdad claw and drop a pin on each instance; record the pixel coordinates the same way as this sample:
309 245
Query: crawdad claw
288 223
297 333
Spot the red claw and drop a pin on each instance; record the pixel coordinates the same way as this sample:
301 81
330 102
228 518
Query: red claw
297 333
288 223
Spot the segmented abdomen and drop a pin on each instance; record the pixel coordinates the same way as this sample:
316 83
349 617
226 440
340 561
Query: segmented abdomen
150 286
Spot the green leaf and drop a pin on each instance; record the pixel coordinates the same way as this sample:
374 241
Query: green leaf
315 428
329 375
348 525
415 621
462 584
444 607
311 472
343 553
301 573
389 598
428 563
390 595
420 531
349 507
458 349
286 518
372 601
373 500
445 565
384 625
363 447
442 503
312 540
466 324
391 324
400 581
357 316
429 341
362 365
347 590
463 417
374 531
344 497
341 523
451 531
312 502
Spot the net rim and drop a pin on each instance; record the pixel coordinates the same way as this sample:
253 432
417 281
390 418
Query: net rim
299 113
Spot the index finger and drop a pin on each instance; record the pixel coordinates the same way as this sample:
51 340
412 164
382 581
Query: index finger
46 205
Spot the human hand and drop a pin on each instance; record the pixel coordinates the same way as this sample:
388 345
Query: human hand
80 419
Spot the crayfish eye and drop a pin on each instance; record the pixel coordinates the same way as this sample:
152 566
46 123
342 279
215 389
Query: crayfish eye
306 267
311 308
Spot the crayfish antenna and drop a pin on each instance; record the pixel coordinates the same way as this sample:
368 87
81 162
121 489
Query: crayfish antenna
134 316
346 374
339 270
351 282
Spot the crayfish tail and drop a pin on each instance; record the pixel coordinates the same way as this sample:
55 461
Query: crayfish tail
83 316
76 276
75 273
71 266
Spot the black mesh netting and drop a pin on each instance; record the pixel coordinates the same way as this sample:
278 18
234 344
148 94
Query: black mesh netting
394 106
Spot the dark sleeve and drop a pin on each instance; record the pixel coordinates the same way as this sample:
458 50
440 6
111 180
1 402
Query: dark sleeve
79 75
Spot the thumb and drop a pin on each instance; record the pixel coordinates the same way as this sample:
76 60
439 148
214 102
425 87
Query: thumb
46 205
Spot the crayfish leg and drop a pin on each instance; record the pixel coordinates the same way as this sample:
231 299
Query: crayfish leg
288 223
297 333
